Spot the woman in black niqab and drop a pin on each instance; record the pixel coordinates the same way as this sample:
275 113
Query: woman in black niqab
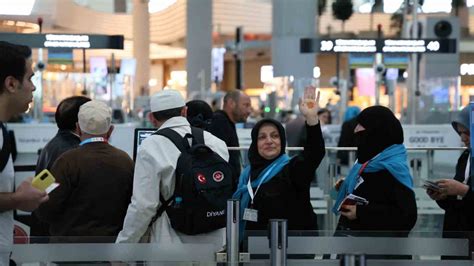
382 129
381 176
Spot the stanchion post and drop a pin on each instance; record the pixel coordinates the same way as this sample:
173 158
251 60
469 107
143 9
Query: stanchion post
232 231
278 242
353 260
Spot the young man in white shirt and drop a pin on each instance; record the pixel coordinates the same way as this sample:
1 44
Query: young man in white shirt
16 92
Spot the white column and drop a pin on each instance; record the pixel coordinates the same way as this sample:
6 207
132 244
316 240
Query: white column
292 20
141 46
199 47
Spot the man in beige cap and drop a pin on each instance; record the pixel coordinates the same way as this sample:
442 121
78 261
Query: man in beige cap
155 177
95 183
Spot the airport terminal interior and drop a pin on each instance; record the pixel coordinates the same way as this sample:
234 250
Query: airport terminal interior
410 56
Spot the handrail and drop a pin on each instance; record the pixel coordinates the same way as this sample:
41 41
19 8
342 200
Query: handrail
111 252
417 246
355 148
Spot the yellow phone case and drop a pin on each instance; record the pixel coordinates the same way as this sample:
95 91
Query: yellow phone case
43 180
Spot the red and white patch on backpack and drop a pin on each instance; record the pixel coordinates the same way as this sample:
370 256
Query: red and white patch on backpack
218 176
201 178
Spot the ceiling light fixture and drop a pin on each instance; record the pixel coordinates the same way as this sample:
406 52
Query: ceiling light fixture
155 6
17 7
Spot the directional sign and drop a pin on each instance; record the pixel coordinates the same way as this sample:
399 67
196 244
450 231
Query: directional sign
73 41
378 45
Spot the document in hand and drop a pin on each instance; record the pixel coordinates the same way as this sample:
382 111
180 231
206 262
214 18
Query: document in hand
427 184
352 199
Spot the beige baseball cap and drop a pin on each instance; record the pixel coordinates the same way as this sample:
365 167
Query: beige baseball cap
95 117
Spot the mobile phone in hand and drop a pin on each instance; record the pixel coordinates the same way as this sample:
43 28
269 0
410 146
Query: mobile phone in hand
44 181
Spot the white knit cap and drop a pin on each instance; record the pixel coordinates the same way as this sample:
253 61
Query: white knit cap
165 100
95 117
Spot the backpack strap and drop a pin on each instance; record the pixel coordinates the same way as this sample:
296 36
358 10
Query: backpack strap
164 205
175 137
6 148
198 135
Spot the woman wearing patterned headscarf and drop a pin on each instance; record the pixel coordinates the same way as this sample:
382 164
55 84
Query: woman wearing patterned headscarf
381 176
274 185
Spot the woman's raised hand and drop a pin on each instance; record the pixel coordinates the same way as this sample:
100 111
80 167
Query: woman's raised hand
309 107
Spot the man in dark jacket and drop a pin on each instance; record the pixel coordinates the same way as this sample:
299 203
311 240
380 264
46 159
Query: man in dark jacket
456 196
236 109
66 138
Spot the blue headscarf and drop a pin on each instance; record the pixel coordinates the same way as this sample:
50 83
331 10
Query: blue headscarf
392 159
351 112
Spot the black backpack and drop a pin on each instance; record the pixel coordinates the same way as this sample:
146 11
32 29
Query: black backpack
203 186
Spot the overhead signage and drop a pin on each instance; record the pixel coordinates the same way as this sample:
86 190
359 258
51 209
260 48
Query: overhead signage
309 45
69 41
72 41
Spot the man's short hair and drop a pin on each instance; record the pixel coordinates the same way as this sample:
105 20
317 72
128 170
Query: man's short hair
167 114
234 95
12 62
66 113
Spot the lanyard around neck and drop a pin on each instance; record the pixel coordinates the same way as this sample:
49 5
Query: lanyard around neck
264 177
91 140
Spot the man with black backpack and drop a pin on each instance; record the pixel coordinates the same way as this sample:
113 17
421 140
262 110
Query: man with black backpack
182 181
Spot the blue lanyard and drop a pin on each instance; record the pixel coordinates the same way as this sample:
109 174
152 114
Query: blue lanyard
264 177
91 140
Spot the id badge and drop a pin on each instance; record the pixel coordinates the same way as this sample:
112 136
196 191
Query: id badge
360 180
250 215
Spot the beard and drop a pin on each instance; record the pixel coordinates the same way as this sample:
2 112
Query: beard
238 117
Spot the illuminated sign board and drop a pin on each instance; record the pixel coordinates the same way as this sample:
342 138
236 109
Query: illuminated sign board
67 41
466 69
377 45
72 41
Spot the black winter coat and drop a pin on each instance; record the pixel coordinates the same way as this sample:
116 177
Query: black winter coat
458 215
391 210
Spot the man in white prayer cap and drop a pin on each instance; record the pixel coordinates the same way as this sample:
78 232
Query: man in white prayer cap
154 178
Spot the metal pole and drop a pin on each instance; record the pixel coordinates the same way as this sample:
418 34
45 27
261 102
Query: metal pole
430 163
238 54
112 81
338 76
378 68
348 260
38 95
353 260
232 230
84 90
278 242
414 66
